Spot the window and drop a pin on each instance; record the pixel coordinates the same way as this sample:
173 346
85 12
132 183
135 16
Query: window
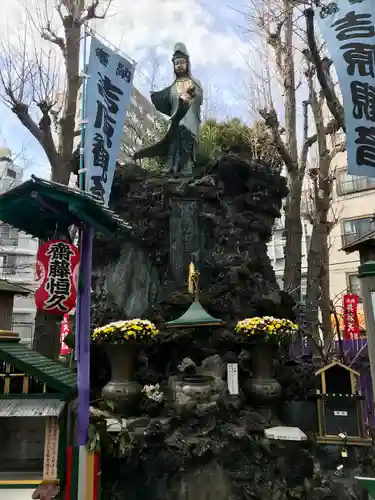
26 457
11 173
279 250
347 184
9 264
6 184
353 229
23 324
8 235
353 284
26 260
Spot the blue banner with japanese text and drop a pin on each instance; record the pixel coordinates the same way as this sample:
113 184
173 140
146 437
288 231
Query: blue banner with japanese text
108 95
348 27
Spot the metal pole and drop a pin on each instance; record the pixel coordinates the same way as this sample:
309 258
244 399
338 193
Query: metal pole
83 307
84 333
366 274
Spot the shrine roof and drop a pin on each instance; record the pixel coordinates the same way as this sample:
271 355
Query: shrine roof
359 243
337 363
7 287
37 206
31 407
54 374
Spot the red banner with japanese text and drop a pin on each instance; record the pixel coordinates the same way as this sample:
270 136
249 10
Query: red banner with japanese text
57 270
351 323
64 331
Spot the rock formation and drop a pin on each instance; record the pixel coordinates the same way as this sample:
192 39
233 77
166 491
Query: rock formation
213 448
222 218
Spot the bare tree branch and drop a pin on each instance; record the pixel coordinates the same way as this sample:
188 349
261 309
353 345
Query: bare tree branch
333 103
50 35
91 12
272 122
337 148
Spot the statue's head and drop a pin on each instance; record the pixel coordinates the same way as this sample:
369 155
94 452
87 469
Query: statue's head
180 60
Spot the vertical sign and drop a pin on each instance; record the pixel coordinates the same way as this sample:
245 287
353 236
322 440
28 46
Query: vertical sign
64 331
348 29
232 378
51 448
108 97
351 323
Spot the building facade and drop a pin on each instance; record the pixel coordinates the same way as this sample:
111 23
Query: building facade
353 208
142 123
17 254
276 248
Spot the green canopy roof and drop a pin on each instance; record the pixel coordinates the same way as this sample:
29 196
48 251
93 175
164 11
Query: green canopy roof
52 373
368 484
37 206
196 315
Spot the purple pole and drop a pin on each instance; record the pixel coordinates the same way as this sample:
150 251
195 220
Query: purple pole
83 335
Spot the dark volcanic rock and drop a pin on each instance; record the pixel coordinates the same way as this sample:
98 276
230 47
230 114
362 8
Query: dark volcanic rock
235 204
207 450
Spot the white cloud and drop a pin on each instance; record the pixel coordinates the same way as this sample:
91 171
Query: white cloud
140 27
137 25
143 27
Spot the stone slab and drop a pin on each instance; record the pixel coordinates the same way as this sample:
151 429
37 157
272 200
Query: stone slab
284 433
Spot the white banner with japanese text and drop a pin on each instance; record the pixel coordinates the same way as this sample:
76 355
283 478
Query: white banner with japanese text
348 27
108 95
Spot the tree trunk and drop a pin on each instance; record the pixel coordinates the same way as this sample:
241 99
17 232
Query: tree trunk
293 225
293 239
46 338
47 334
325 300
313 280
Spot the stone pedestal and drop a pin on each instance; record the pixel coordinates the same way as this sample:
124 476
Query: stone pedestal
262 388
122 390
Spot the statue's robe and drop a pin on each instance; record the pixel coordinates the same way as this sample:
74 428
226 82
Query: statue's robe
178 145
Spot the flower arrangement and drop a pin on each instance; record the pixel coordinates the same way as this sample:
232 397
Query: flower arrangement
267 327
153 392
121 332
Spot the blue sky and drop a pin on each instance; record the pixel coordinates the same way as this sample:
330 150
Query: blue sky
213 33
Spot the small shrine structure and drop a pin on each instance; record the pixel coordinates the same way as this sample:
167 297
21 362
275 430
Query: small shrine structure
339 406
36 398
56 211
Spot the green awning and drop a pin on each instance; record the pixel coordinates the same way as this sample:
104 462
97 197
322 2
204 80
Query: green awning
31 407
196 315
60 378
38 206
368 484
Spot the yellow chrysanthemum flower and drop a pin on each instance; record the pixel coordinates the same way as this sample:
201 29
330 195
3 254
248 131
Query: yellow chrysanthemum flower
266 326
125 330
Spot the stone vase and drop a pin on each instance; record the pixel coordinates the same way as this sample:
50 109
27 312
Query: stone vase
263 389
122 390
188 391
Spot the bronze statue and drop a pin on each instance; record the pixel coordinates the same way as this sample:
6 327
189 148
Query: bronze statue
181 101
